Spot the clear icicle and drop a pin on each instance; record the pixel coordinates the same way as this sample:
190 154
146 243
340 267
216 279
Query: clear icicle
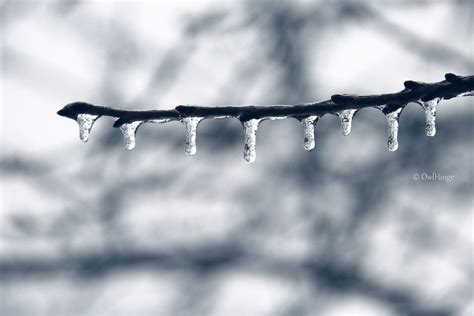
392 121
430 108
191 124
85 122
250 131
346 120
129 130
308 128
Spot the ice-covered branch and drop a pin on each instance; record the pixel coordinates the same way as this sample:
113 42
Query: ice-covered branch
428 95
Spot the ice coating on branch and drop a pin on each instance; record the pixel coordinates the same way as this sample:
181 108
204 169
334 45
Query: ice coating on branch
85 122
275 118
308 129
191 124
129 130
159 121
346 120
466 94
392 122
250 131
430 108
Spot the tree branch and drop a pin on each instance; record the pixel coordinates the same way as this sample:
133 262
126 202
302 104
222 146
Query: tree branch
427 95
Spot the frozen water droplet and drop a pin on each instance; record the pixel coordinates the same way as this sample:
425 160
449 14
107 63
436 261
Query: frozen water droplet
129 130
191 124
308 128
430 108
85 122
392 122
250 131
346 120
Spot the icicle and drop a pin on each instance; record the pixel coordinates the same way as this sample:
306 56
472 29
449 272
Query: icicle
250 130
85 122
392 121
190 124
129 130
346 120
308 128
430 108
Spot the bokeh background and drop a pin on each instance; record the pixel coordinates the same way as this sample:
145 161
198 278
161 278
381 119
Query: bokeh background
91 229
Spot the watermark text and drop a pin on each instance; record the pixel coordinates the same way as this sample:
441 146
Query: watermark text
432 176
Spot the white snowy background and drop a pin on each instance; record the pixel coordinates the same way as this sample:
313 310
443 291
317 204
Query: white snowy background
91 229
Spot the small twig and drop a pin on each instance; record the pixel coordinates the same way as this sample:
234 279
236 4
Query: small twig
345 106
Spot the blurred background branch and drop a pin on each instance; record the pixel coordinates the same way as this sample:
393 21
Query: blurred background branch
342 230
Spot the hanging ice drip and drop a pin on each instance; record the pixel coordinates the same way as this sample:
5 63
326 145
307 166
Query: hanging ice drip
308 130
250 134
129 131
346 120
191 124
85 122
392 114
430 108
